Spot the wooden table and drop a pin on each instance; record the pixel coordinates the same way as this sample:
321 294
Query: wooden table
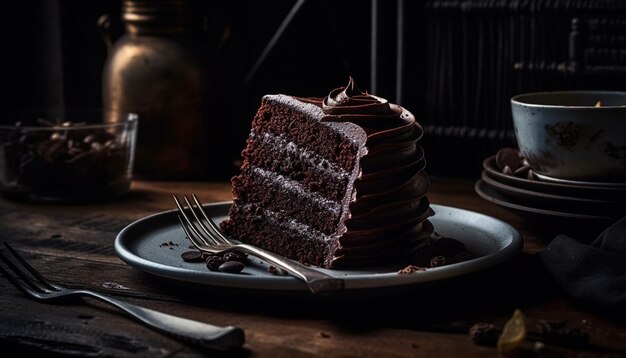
73 245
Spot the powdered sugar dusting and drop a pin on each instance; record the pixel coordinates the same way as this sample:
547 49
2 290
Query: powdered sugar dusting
304 231
319 163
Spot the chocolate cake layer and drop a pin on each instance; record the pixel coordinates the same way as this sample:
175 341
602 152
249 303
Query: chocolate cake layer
316 174
300 123
274 192
254 225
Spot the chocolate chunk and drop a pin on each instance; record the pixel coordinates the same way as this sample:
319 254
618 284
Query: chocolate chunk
522 171
484 334
462 256
560 333
439 261
214 262
423 255
448 247
233 256
276 271
192 256
508 157
231 267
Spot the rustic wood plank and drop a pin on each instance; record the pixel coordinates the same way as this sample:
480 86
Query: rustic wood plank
72 244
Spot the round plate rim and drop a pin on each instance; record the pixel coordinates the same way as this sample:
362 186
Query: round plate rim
531 210
512 245
578 183
544 185
536 194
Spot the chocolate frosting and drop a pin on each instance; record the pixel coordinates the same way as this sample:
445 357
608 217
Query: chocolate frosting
389 209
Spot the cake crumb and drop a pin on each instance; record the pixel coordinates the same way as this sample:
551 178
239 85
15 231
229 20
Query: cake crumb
414 345
324 335
276 271
166 244
411 269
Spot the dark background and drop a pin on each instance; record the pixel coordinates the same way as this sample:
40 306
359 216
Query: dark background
461 60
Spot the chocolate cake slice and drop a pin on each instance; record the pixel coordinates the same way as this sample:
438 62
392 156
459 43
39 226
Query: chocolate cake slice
337 182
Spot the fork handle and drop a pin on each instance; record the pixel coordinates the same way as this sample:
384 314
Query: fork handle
317 281
198 333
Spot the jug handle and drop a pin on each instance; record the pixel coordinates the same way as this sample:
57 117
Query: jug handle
104 24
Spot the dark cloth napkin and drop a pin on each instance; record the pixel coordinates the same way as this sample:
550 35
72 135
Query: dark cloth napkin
595 274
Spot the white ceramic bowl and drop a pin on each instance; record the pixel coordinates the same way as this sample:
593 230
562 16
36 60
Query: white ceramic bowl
564 135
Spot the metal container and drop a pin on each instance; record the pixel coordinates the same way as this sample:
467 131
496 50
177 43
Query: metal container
154 70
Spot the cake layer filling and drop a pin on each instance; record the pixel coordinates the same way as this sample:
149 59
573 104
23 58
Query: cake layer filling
255 225
275 192
316 174
298 241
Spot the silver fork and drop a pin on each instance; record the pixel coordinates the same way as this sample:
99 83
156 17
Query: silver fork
206 236
198 333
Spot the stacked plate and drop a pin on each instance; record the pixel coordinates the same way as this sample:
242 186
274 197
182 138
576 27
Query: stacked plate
537 196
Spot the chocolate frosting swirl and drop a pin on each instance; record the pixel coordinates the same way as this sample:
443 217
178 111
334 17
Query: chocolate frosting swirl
390 206
352 101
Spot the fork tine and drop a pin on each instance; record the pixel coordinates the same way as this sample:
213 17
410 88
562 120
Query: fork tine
190 236
20 286
213 227
31 269
22 275
190 226
204 228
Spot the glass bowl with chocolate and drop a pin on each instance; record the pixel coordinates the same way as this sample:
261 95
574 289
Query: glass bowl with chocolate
66 155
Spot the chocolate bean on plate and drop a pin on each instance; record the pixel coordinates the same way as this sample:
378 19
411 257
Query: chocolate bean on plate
231 267
192 256
509 157
522 171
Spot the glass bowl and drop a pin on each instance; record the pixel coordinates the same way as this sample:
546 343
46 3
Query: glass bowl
70 155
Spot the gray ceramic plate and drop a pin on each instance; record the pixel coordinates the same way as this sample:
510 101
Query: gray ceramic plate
579 183
141 245
491 194
616 208
592 192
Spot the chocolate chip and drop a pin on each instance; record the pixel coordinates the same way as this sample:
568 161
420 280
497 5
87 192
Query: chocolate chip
276 271
462 256
530 175
192 256
508 157
231 267
522 171
560 333
214 262
439 261
447 247
233 256
484 334
507 170
423 255
88 139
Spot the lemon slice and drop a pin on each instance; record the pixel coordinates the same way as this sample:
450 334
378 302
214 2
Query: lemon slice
513 334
